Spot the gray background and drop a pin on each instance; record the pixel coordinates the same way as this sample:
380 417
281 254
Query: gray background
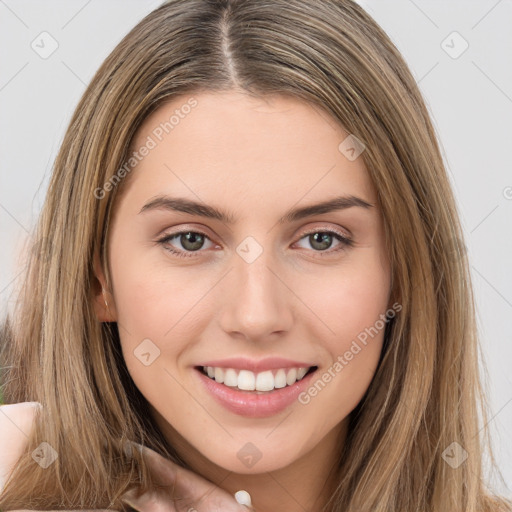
468 91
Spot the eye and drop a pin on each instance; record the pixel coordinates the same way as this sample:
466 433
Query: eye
193 241
190 241
321 240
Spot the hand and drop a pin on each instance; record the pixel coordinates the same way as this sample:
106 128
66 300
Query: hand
186 491
191 492
16 422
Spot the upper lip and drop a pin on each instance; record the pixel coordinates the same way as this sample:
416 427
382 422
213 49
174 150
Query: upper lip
270 363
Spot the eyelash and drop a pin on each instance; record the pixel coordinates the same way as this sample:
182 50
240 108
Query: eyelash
345 242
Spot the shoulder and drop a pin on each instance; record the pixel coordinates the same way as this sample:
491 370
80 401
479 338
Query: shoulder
15 426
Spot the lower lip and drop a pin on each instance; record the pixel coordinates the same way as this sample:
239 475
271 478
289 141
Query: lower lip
249 403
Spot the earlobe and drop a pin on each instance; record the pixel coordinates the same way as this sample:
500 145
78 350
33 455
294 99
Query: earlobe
104 306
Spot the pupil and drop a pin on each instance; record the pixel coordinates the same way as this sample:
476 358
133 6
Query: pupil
192 241
325 240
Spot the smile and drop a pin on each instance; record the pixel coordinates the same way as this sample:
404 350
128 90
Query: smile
254 403
246 380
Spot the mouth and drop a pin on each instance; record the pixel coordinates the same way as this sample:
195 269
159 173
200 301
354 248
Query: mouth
260 395
265 382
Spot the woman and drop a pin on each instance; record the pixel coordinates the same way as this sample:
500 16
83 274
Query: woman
249 200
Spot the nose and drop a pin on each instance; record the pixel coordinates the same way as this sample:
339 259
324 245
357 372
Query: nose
256 300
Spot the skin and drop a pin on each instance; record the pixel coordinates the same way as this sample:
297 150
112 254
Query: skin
17 420
275 154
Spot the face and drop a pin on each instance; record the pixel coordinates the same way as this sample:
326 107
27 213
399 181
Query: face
217 257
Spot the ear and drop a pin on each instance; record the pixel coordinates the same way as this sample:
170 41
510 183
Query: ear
103 313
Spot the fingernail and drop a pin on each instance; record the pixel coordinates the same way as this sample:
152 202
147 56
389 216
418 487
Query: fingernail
244 498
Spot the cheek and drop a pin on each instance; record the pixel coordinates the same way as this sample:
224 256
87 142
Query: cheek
349 299
150 296
157 322
351 306
158 302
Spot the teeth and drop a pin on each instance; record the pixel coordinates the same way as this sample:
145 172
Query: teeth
219 374
280 379
249 381
291 376
265 381
301 372
230 377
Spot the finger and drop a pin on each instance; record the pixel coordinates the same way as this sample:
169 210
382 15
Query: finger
244 498
16 424
154 502
191 491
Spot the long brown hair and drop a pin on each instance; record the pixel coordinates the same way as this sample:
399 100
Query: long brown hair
426 393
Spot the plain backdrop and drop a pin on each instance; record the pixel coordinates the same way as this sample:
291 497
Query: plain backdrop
460 52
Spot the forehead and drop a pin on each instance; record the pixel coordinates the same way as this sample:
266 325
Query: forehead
274 146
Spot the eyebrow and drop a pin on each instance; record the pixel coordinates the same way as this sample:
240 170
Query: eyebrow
203 210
